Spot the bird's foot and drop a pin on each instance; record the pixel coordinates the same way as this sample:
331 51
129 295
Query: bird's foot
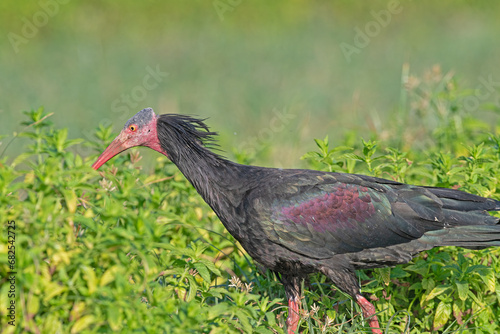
293 314
369 313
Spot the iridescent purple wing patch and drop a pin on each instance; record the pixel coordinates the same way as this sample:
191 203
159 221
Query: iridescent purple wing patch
342 206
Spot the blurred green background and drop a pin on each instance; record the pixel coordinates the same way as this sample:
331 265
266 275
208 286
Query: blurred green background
240 63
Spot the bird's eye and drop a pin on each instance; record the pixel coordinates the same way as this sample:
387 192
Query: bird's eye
133 127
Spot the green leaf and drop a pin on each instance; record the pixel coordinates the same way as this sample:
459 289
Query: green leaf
217 310
211 266
33 305
53 290
421 268
385 273
243 319
437 291
271 318
20 158
443 312
428 283
82 323
262 330
475 298
191 291
217 292
354 156
109 275
488 277
398 272
89 276
70 199
115 318
463 289
203 271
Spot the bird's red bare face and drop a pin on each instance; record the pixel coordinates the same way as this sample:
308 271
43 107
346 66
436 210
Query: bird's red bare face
140 130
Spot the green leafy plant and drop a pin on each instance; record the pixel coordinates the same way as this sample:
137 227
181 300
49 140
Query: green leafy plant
124 250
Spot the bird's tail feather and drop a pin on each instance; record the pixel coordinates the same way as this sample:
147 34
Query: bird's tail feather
461 201
468 218
473 237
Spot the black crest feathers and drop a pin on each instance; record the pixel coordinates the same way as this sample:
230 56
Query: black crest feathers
178 132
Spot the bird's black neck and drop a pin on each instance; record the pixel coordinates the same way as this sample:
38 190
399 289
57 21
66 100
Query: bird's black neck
213 177
217 180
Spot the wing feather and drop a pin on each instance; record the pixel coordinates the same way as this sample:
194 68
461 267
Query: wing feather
327 214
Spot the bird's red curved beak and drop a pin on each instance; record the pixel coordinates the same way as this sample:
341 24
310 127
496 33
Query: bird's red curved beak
117 146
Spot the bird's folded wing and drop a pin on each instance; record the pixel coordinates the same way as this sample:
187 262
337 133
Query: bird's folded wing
323 215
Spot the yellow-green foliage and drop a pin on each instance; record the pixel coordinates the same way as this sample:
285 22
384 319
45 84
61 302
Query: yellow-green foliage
122 250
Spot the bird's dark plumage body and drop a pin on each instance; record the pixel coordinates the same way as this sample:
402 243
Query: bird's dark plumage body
296 222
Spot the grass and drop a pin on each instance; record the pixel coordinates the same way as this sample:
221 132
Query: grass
126 250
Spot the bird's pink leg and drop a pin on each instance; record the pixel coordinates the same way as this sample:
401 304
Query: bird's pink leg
293 314
369 313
